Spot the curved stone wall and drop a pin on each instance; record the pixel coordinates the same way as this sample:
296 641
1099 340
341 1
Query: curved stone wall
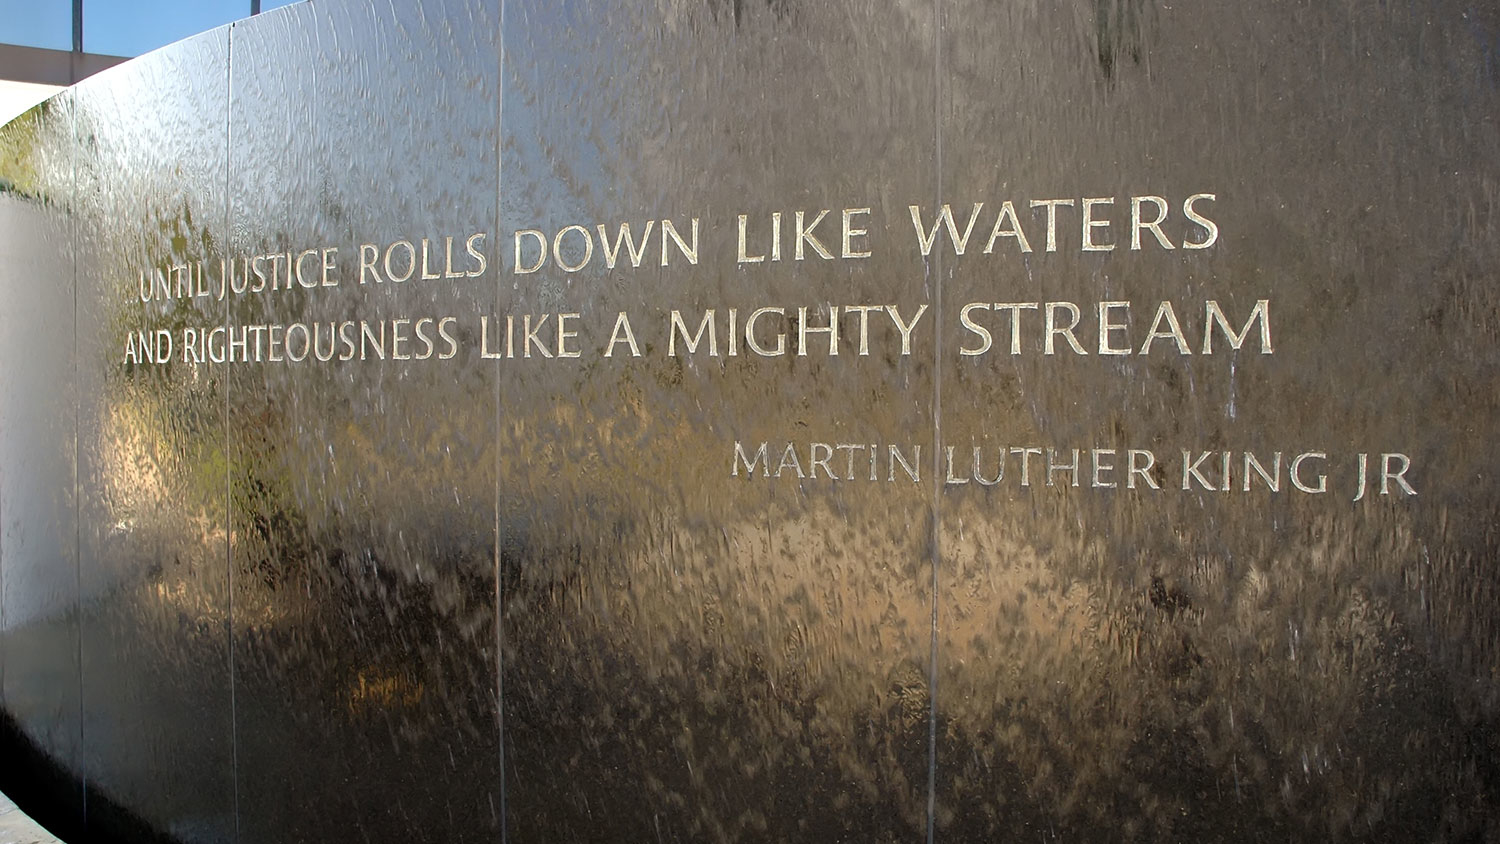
758 420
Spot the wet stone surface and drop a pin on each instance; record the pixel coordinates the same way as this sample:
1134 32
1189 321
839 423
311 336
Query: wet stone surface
683 420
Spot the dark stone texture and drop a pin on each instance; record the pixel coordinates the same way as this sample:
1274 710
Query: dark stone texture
153 575
362 494
39 649
528 599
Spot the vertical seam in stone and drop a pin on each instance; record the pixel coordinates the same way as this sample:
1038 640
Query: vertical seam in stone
234 718
937 424
499 587
77 398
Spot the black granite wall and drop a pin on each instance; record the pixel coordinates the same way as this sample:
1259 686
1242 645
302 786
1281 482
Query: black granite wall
433 524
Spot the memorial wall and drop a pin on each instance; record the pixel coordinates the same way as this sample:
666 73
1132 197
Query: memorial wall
759 420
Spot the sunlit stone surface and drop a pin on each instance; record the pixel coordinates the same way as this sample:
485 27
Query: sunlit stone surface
758 421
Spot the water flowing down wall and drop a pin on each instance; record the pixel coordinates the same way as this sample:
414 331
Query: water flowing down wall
708 421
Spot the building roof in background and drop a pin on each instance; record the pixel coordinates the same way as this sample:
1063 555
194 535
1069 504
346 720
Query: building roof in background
45 46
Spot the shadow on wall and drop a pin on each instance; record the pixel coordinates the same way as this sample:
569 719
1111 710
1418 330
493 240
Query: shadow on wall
33 779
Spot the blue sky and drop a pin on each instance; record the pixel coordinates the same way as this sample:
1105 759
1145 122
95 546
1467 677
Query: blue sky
117 27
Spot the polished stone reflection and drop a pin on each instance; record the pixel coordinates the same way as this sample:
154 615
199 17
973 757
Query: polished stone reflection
690 656
757 421
361 492
39 625
158 723
1226 663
